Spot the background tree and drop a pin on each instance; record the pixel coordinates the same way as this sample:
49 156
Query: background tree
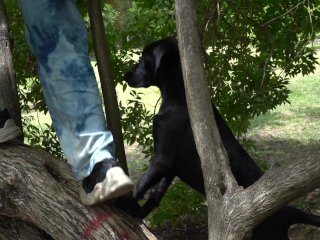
102 53
8 85
233 211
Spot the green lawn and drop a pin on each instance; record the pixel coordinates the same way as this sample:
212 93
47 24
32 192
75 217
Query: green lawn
299 120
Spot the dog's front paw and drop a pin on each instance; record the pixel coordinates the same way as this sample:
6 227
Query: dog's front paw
129 205
137 194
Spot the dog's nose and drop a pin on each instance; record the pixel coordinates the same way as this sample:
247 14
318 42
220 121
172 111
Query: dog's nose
127 76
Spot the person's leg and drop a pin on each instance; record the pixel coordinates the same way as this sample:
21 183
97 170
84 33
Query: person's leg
8 129
57 36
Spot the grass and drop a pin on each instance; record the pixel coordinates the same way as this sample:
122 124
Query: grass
299 120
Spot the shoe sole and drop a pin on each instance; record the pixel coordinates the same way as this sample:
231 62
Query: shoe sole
9 132
116 184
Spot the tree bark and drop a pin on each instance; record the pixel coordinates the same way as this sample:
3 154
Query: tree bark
102 52
8 87
36 188
303 232
214 161
13 229
233 212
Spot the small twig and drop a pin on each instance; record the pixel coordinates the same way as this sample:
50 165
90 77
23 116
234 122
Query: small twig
218 12
38 119
282 15
265 67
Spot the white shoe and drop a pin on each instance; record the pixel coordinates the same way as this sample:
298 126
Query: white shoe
115 184
9 131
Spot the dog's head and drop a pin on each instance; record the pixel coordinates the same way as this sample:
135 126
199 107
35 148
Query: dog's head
158 61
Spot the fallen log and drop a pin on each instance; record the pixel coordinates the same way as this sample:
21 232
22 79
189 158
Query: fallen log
39 189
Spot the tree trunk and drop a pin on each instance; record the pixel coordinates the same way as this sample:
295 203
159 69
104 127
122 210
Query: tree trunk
233 212
217 175
8 87
102 52
38 189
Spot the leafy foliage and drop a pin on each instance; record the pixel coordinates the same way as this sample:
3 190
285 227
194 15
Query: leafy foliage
251 49
137 122
255 47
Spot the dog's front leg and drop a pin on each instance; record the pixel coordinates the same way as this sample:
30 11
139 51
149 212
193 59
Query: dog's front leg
151 177
155 196
164 134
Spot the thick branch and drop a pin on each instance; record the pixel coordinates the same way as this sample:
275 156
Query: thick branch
283 185
36 188
13 229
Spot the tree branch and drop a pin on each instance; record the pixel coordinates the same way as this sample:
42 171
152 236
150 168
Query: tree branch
37 188
283 185
13 229
282 15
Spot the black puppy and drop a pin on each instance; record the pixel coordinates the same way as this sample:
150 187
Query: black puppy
175 152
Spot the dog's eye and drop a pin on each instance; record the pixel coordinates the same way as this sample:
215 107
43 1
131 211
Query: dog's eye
148 66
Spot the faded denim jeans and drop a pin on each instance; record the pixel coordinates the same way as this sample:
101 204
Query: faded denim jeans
57 36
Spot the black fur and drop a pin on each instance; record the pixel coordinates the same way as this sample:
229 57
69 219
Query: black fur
175 153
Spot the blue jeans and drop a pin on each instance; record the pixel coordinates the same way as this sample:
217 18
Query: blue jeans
57 36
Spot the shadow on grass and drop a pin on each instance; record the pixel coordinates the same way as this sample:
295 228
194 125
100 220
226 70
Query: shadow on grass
283 117
279 152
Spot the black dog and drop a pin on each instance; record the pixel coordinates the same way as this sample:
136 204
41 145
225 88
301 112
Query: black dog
175 152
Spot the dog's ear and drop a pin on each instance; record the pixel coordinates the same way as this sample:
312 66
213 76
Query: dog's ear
169 47
158 54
